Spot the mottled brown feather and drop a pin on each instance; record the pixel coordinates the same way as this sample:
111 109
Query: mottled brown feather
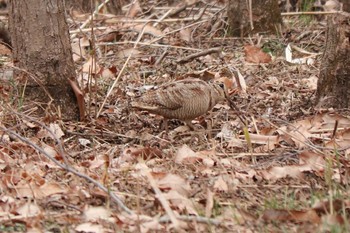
183 100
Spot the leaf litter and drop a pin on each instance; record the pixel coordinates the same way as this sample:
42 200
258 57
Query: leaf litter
290 166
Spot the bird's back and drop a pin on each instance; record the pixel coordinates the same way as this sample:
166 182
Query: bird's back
183 100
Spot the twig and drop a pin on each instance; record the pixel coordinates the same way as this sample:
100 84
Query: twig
162 18
176 30
200 54
160 59
191 219
161 197
121 72
311 13
176 11
91 17
176 20
148 44
65 166
187 8
201 14
306 143
250 10
233 106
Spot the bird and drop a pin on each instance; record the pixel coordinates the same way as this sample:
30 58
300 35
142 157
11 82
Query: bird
183 100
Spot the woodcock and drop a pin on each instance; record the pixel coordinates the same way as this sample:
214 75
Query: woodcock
183 100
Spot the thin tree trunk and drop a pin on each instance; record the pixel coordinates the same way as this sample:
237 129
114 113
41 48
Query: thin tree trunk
42 52
261 16
333 89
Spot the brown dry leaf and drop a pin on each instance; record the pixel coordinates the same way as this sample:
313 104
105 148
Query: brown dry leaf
4 51
313 160
30 124
49 189
328 120
28 209
134 9
309 161
185 34
247 175
186 155
152 226
331 220
342 140
256 55
49 150
332 5
241 83
146 153
147 223
148 29
128 52
108 73
181 202
111 36
325 206
78 48
220 185
205 75
300 131
56 132
98 161
270 141
91 66
275 173
310 82
167 181
291 215
209 203
132 154
262 95
90 227
33 190
240 216
94 213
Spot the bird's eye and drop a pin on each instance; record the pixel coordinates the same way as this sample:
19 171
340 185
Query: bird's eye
222 85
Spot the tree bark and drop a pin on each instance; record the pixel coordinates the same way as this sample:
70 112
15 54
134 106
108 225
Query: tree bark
88 6
333 88
262 16
346 5
42 52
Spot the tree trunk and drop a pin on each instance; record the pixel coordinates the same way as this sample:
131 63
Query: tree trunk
346 5
262 16
84 6
333 88
88 6
42 52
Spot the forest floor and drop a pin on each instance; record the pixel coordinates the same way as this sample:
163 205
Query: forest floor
285 169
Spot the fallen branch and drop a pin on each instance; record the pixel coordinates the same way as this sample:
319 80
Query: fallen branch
65 166
310 13
192 219
161 197
196 55
91 17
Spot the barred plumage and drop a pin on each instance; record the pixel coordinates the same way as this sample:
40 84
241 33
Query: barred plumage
183 100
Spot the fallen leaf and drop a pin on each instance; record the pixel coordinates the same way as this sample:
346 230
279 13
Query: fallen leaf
220 185
256 55
291 215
